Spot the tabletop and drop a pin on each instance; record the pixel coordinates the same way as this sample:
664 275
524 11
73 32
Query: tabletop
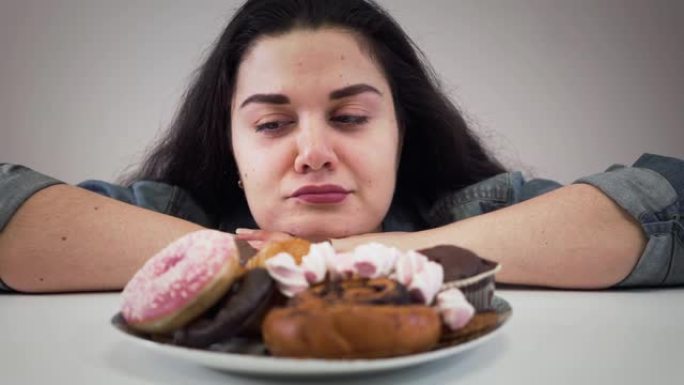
554 337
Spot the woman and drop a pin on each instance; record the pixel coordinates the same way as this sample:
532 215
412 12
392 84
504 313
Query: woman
316 118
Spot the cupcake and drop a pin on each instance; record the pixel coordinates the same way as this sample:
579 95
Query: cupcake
464 270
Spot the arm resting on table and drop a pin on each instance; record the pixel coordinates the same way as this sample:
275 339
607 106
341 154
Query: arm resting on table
623 227
65 238
573 237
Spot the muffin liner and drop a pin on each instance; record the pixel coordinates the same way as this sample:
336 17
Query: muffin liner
478 289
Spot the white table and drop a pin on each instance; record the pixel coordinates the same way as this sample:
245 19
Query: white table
554 337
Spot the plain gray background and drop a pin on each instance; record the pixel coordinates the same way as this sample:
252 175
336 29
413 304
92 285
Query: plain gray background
558 89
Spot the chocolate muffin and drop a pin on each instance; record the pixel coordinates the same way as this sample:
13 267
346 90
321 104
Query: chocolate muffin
465 270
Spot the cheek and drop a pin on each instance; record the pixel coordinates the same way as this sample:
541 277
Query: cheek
239 154
247 159
377 165
254 170
259 167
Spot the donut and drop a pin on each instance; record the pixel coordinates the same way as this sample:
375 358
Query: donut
180 282
245 304
361 318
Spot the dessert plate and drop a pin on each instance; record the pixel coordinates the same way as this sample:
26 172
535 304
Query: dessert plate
251 358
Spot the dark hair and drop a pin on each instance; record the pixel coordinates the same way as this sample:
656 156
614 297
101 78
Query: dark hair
440 153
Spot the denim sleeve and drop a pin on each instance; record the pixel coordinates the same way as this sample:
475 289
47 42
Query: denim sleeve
18 184
651 191
156 196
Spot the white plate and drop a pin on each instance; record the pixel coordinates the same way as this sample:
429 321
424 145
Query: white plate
262 365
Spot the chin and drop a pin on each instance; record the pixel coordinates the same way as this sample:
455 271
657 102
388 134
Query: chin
323 232
319 235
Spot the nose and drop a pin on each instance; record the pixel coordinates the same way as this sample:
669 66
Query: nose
315 149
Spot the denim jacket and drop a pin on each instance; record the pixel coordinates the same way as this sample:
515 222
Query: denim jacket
651 191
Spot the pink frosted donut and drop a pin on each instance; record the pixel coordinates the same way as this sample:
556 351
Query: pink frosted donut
181 281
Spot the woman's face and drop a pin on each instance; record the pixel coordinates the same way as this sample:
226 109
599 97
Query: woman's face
314 135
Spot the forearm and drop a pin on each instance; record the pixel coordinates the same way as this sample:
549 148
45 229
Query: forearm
574 237
68 239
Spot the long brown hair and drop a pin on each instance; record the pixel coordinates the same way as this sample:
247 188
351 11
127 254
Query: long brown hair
440 153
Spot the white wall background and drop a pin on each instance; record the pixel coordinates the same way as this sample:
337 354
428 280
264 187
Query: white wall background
558 88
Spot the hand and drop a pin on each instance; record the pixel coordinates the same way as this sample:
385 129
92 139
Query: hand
401 240
258 238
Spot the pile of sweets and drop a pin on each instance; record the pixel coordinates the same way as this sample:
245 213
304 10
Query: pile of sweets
307 300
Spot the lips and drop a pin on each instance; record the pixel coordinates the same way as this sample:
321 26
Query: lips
323 194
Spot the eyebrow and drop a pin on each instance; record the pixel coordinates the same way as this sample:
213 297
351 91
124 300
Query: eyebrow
334 95
352 91
266 99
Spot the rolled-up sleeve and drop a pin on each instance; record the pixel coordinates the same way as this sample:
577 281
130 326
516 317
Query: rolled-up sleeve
156 196
18 184
651 191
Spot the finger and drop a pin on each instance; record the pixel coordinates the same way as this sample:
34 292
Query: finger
256 244
251 234
278 236
245 231
250 237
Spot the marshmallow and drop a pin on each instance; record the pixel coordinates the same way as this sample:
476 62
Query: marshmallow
374 260
315 262
454 308
291 278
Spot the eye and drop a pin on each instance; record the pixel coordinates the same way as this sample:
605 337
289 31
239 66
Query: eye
273 126
350 120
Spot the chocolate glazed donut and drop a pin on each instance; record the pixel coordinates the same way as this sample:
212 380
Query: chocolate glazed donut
351 319
239 309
